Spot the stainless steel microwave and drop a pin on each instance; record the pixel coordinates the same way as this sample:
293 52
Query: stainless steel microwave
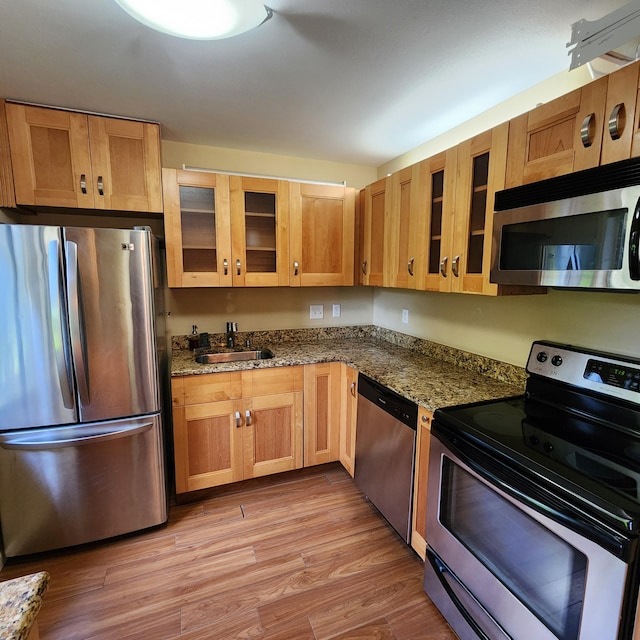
577 231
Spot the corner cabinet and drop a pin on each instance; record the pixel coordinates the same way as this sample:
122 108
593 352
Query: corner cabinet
321 238
74 160
419 517
348 416
322 397
233 426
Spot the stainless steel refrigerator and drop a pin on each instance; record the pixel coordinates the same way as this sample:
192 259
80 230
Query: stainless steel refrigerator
81 442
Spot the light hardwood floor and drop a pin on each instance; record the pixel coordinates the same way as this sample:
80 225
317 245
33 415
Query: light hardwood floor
298 556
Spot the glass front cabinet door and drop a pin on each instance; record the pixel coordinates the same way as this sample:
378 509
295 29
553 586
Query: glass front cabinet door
197 229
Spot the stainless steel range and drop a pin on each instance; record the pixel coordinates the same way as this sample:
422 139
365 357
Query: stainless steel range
534 504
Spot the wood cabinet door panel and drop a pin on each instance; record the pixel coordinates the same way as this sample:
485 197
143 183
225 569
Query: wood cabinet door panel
322 387
273 434
50 156
419 517
322 220
349 407
125 157
7 190
207 445
212 387
374 235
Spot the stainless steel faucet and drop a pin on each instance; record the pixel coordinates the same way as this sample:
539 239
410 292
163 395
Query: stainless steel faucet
232 327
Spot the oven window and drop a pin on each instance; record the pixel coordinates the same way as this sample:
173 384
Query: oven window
591 241
543 571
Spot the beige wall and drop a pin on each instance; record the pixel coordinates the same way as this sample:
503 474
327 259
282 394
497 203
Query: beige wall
503 328
177 154
256 309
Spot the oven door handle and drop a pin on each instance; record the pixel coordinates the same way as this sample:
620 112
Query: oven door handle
441 569
634 241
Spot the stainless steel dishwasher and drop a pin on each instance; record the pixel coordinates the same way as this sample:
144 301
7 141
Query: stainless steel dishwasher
385 452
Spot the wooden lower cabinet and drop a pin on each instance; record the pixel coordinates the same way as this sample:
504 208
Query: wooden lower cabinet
321 413
349 410
233 426
419 518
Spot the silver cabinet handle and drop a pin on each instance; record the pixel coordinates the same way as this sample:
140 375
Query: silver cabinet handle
225 266
364 267
443 266
238 423
296 266
616 121
83 182
410 266
455 266
238 267
353 389
100 186
587 130
247 415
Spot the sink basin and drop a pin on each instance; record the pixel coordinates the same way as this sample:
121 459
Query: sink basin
233 356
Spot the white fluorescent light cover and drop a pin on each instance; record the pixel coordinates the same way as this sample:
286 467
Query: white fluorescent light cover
199 19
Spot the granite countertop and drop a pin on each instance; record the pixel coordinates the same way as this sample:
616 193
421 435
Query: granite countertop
20 602
427 379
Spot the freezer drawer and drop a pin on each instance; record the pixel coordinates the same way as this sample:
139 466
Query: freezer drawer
69 485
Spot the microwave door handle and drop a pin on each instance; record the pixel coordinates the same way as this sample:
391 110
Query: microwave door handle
634 241
75 323
451 584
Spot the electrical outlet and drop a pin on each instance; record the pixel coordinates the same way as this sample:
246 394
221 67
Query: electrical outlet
405 316
336 311
316 311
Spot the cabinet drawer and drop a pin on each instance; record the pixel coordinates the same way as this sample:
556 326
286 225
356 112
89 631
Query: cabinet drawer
212 387
265 382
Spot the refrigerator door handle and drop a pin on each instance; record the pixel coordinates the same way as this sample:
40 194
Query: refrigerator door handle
24 442
75 323
59 321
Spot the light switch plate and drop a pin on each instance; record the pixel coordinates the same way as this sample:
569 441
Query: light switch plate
336 311
405 316
316 311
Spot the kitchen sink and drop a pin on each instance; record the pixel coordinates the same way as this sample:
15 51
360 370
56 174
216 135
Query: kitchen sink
233 356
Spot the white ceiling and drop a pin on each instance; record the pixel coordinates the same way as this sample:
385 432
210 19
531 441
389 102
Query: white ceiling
358 81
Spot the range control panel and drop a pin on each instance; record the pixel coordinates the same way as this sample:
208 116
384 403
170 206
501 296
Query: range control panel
610 374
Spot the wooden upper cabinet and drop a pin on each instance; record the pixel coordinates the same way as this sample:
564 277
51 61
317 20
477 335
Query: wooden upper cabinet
374 233
405 228
594 125
322 224
481 163
259 231
197 221
7 191
439 179
67 159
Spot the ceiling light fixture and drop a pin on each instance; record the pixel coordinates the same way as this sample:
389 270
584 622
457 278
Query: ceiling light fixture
199 19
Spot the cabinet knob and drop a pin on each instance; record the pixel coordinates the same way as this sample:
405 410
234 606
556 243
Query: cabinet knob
238 267
617 121
238 421
225 266
247 416
364 267
410 266
100 186
455 266
443 266
353 389
83 183
296 266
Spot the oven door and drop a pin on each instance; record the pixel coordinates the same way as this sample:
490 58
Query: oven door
499 569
